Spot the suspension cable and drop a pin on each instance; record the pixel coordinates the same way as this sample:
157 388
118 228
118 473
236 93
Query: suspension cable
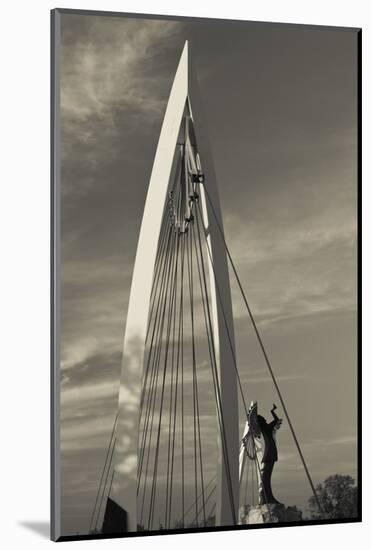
265 355
190 288
177 376
197 410
213 364
151 396
223 313
155 378
154 482
105 484
200 495
195 519
102 474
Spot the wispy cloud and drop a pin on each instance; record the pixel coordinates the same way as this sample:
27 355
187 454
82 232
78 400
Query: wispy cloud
107 80
281 378
335 441
294 272
103 71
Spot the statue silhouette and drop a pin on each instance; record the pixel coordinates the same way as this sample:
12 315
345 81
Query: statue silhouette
267 451
270 456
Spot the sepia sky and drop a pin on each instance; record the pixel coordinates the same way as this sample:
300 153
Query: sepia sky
281 106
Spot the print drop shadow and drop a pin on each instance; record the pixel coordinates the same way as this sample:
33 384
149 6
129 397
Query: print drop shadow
41 528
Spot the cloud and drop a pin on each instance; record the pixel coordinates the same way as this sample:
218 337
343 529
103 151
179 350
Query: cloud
293 271
89 400
81 434
288 244
281 378
85 393
103 70
341 440
107 81
94 302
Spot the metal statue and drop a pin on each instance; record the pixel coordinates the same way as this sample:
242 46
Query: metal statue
259 444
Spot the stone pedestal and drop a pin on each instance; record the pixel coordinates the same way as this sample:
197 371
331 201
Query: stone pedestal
272 513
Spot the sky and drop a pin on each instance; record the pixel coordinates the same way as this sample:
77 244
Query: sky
281 108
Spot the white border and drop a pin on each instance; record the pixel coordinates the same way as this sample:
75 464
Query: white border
24 219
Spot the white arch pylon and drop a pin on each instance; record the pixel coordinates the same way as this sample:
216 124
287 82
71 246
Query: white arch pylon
124 489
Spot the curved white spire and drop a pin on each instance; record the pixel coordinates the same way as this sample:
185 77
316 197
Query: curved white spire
124 490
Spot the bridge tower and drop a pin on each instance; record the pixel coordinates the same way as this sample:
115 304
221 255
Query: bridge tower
185 103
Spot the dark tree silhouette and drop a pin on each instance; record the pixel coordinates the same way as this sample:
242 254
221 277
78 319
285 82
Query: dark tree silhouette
338 496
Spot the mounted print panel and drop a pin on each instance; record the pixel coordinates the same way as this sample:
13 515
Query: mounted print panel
205 368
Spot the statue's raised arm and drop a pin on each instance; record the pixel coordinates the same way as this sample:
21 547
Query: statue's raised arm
276 422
